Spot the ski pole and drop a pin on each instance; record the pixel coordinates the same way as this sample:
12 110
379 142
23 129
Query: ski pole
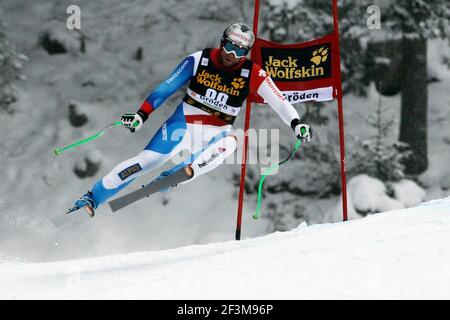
267 172
58 151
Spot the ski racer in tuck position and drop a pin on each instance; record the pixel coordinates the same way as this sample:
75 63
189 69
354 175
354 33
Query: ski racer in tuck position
220 81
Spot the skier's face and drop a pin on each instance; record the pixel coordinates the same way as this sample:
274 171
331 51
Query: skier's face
228 59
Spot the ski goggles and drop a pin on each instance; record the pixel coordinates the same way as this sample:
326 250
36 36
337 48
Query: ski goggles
232 47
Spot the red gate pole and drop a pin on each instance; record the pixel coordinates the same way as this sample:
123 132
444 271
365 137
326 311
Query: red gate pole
245 146
340 112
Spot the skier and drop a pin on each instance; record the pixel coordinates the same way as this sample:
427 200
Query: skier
220 81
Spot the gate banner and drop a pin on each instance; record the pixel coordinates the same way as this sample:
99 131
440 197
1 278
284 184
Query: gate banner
303 72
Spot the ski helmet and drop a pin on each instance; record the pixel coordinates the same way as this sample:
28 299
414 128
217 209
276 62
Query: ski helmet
237 38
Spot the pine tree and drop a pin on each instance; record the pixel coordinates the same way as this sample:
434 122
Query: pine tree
377 156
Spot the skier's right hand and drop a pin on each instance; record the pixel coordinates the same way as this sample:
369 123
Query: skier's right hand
132 121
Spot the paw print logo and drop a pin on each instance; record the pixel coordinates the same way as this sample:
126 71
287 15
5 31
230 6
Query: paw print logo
262 73
238 83
319 56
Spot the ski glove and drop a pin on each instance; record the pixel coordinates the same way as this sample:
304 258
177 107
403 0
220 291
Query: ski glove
132 121
302 131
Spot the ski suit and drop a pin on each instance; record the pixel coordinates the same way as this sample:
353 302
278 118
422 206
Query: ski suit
202 121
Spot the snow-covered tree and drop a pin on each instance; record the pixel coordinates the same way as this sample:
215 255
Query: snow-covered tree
10 67
377 156
410 23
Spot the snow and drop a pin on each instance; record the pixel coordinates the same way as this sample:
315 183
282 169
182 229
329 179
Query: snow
445 182
436 51
25 233
368 195
408 193
401 254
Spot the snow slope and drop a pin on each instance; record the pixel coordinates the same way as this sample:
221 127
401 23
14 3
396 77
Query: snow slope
398 254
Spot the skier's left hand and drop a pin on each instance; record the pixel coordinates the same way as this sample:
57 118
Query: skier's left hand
302 131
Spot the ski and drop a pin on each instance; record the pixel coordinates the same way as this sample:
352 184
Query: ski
149 189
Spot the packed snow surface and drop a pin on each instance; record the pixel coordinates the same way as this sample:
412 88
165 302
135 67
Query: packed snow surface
398 254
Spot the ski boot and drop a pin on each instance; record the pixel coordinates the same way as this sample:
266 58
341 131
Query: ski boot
85 202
